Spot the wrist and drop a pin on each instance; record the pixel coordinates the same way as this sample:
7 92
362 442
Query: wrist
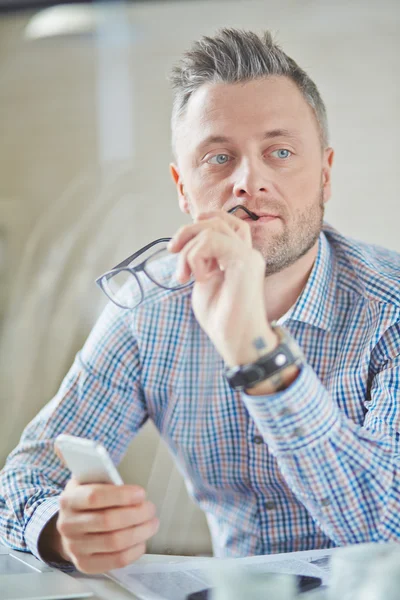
277 383
260 342
50 545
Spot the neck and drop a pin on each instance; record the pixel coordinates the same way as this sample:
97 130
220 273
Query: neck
283 289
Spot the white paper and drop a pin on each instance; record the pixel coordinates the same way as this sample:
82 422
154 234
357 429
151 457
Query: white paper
174 581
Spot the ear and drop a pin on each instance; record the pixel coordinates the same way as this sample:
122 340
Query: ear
327 162
183 203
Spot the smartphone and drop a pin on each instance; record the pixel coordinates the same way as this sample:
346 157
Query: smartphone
304 584
88 461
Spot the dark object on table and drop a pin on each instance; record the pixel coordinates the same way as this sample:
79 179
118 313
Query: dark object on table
304 584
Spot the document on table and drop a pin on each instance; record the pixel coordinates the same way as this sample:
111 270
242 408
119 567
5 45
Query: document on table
174 581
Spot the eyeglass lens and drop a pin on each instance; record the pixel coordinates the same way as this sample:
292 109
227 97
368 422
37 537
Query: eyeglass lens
157 263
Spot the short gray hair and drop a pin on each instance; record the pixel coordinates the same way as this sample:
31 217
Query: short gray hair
234 56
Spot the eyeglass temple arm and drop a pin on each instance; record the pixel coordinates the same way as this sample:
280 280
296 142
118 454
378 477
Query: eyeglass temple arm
246 210
130 258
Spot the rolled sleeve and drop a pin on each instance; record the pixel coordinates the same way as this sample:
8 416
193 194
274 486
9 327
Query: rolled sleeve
37 522
41 516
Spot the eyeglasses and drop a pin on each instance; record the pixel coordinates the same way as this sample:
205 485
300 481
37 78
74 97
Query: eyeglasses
123 284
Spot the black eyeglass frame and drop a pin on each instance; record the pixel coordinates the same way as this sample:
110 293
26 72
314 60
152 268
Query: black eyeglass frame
124 266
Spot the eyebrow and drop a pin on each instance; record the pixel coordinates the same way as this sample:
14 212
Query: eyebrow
267 135
278 133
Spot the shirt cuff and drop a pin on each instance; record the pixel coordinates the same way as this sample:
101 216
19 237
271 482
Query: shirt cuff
296 417
42 514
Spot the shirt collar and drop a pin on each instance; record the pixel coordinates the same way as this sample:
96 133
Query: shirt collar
316 304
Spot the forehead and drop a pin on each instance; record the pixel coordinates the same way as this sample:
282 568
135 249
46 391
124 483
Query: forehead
246 110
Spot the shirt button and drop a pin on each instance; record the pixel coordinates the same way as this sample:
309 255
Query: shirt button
325 502
270 505
257 439
299 432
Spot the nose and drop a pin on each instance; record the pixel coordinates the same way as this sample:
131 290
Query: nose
250 180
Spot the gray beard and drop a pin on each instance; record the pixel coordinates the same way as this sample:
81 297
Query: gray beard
285 249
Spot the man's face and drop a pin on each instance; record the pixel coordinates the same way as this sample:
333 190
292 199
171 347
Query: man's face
256 144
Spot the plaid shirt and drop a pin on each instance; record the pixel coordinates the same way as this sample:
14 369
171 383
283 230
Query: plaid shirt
312 466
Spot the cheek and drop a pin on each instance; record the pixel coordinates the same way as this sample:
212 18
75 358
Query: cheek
304 185
207 194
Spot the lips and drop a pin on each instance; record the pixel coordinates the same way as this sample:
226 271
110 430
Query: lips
245 214
261 218
261 215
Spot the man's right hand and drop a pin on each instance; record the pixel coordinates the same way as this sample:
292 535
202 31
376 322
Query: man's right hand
102 526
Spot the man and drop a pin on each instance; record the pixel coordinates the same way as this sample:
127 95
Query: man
283 452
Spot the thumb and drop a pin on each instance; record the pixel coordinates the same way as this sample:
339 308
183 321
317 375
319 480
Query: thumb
72 481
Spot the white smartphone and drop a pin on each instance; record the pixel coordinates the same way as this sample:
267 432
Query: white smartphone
88 460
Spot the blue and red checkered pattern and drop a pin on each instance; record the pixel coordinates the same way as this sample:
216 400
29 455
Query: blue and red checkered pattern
312 466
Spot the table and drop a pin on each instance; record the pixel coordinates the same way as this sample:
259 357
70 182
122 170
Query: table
106 589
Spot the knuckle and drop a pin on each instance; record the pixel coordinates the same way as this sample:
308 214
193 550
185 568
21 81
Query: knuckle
62 526
92 497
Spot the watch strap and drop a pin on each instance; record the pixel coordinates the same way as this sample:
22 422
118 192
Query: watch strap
285 354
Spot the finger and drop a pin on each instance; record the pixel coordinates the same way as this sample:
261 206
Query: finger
101 495
100 563
113 541
240 227
76 524
188 232
208 249
71 485
184 267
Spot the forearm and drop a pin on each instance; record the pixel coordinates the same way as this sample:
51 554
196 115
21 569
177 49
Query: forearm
342 473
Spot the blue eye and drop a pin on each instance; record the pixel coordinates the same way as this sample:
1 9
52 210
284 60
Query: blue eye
219 159
282 153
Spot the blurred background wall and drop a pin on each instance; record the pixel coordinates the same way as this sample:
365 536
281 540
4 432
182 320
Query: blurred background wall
84 153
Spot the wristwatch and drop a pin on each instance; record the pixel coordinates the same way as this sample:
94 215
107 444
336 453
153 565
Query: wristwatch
285 354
